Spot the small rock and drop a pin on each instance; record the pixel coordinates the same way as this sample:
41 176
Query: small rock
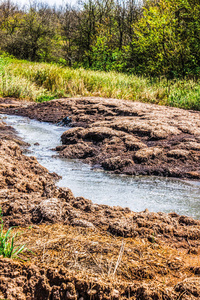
115 294
92 292
82 223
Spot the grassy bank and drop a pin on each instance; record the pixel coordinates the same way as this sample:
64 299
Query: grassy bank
41 82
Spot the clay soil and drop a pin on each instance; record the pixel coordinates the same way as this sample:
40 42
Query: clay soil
82 250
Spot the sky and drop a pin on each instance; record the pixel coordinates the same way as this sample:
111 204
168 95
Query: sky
50 2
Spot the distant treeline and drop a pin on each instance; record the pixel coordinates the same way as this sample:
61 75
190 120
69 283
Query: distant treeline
151 38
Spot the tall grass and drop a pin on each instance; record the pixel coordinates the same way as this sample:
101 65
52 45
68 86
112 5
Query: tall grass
41 82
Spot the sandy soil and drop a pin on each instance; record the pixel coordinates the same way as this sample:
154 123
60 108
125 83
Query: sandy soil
83 250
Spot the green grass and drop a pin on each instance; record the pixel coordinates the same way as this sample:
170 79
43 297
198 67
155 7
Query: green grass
42 82
7 243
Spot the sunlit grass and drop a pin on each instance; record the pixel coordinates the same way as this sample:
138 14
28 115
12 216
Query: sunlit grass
43 82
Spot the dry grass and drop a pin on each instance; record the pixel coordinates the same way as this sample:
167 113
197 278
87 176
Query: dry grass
87 252
42 82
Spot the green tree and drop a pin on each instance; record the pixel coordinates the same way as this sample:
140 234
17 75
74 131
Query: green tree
166 39
37 32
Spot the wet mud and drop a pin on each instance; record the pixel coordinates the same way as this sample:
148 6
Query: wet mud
84 250
122 137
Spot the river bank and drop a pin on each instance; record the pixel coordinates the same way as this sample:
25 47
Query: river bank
121 136
84 250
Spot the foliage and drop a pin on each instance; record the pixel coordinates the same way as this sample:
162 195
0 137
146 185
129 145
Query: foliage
28 35
152 38
44 81
7 247
166 39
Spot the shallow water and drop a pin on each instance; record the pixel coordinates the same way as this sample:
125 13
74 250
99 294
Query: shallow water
137 193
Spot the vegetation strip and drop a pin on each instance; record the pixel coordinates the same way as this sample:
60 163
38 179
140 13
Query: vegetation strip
44 81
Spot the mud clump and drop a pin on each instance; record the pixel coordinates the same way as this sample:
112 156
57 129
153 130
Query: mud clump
23 182
122 136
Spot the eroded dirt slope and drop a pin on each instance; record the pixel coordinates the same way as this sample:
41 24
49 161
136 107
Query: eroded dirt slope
122 136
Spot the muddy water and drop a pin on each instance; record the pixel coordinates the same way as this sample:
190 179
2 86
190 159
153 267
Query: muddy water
137 193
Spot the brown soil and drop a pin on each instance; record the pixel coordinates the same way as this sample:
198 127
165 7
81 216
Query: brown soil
81 263
84 250
122 136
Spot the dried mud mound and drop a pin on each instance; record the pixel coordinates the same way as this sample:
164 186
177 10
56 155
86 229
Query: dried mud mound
21 281
26 281
122 136
22 180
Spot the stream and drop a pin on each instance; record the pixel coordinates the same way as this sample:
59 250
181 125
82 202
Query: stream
135 192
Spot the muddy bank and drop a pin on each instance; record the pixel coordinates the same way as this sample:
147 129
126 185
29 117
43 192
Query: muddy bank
122 136
28 195
89 251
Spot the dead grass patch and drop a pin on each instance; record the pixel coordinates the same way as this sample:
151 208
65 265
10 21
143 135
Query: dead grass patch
88 252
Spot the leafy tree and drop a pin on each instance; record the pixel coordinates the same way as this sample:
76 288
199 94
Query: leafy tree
159 37
36 33
166 39
10 19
